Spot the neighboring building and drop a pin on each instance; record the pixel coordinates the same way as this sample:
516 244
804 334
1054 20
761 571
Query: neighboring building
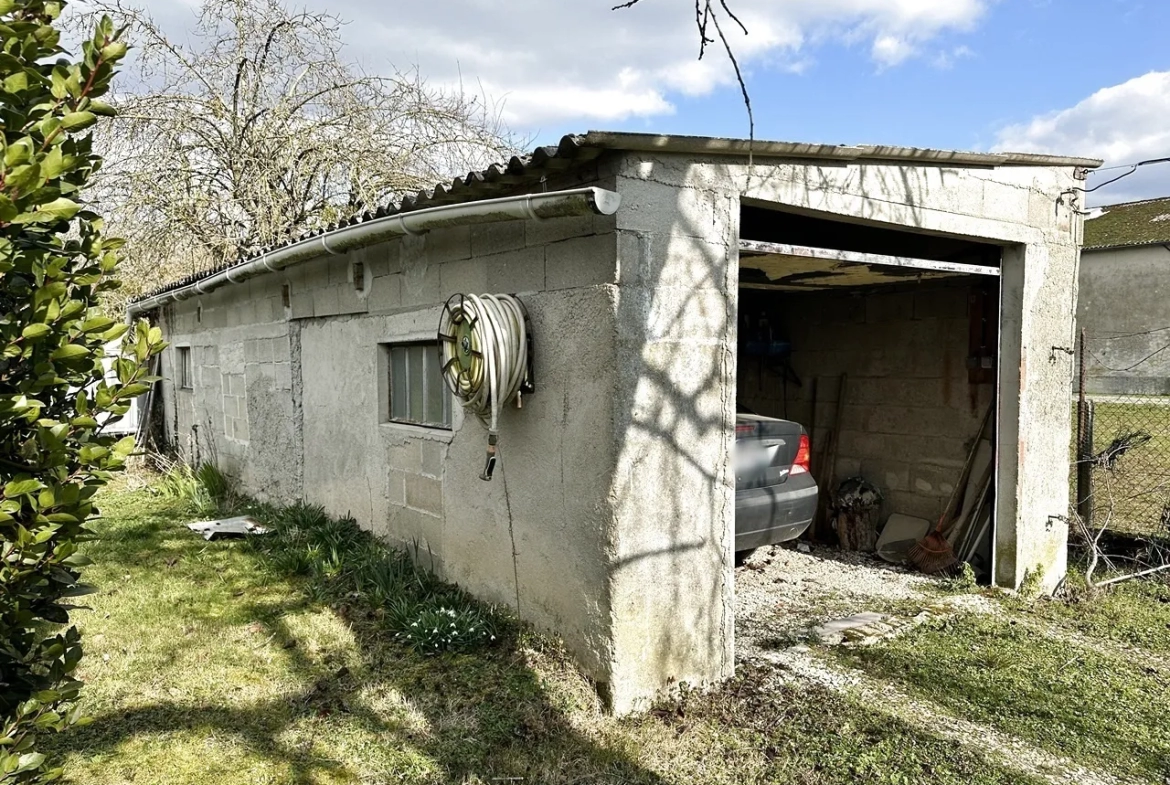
731 270
1124 307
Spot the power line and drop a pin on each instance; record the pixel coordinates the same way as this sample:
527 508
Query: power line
1131 167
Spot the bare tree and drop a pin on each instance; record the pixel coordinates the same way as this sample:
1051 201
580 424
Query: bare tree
252 130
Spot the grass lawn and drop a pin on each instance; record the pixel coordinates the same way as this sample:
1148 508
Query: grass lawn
213 662
1101 705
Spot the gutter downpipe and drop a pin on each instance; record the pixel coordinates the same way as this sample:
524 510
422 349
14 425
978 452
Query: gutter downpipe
554 204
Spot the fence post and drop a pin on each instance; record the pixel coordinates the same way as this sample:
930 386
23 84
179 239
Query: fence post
1084 444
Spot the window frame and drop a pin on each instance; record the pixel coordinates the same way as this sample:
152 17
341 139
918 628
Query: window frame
184 368
431 374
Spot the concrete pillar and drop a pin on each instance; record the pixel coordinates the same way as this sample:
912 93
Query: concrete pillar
671 574
1038 297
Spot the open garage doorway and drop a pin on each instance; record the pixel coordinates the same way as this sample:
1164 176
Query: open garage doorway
883 344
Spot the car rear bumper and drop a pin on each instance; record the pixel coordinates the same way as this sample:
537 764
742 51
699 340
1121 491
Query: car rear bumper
778 513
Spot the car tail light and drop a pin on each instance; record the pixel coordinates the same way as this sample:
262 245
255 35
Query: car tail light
740 430
801 464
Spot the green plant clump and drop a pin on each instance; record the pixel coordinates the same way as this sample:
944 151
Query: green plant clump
347 565
55 264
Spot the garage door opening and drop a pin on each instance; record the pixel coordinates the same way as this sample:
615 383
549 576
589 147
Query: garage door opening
883 344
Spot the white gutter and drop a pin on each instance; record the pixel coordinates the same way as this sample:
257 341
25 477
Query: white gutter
555 204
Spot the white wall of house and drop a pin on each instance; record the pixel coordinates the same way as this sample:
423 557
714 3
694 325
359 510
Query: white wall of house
1124 294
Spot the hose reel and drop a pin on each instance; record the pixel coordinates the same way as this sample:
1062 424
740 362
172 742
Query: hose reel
485 350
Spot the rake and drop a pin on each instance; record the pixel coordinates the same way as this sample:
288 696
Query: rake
933 554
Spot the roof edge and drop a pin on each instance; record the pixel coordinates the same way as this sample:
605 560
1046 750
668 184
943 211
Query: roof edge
1120 246
702 145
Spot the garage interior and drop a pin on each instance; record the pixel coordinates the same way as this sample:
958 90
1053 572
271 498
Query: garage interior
883 343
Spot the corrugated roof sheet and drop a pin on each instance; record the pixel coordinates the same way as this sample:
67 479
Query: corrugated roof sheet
1134 223
526 171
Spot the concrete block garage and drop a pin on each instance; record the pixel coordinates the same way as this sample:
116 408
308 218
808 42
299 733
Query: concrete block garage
940 285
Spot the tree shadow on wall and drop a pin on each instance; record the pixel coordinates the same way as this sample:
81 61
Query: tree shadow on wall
677 351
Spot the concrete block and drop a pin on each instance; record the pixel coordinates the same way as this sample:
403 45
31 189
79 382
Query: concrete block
385 293
414 530
467 277
515 272
449 245
236 384
662 209
941 303
351 301
895 476
915 504
278 349
424 493
282 376
273 309
673 260
494 238
326 301
405 455
338 270
582 261
302 305
433 457
897 306
931 480
412 251
396 487
420 285
554 230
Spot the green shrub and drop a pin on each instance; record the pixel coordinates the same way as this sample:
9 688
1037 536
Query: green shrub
206 489
55 265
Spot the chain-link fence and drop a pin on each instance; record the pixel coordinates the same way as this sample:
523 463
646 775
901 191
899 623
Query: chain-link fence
1122 449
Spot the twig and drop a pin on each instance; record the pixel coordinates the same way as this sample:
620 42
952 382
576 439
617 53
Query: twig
706 15
1128 576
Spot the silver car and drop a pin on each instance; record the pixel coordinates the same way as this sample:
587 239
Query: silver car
775 493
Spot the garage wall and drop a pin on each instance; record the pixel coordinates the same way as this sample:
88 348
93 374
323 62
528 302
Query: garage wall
288 400
910 413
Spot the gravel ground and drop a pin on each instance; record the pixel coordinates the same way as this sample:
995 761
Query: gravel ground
781 592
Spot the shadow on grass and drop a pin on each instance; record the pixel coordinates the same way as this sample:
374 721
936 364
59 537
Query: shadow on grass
485 716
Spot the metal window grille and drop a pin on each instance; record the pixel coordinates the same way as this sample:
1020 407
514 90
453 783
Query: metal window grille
418 395
185 369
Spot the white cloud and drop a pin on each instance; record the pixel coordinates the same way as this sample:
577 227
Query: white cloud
946 59
1122 124
559 62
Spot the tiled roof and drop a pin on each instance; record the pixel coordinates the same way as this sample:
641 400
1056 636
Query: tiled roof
525 172
1133 223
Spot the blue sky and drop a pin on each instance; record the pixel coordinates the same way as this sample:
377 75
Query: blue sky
1084 77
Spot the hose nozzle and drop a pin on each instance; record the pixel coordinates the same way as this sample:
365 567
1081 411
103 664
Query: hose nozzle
490 465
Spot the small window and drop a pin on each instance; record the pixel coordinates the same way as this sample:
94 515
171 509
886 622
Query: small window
418 395
186 372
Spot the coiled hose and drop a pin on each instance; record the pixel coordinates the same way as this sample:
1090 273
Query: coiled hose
483 349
